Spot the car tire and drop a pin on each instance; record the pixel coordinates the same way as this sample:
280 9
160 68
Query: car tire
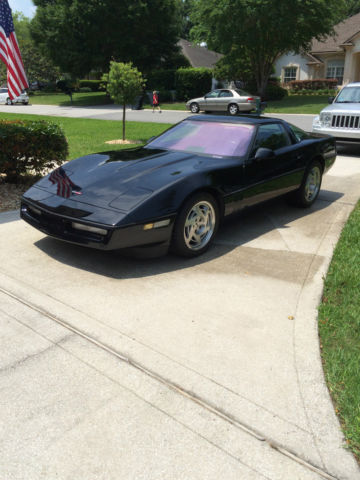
195 226
310 186
8 101
233 109
194 107
25 103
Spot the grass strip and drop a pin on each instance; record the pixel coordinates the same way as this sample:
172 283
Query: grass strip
339 330
89 136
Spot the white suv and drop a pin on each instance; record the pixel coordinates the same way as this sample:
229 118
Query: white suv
341 119
4 97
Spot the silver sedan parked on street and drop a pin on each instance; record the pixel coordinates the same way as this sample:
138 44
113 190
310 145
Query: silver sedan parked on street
5 98
224 100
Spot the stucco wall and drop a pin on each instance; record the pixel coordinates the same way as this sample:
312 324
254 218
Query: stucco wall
292 60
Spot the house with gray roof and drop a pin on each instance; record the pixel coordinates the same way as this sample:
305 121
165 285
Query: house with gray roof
199 56
336 56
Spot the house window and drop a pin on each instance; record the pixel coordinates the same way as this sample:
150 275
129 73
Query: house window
289 74
335 69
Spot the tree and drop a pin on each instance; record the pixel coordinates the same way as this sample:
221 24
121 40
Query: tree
352 7
124 83
84 35
262 30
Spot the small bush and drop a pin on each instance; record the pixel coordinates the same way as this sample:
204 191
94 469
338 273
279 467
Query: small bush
192 82
94 85
273 91
50 88
85 90
28 145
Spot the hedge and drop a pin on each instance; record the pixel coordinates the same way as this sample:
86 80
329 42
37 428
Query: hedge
192 82
94 85
28 145
273 91
318 84
161 80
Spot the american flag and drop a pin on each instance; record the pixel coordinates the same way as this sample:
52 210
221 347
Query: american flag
10 53
64 185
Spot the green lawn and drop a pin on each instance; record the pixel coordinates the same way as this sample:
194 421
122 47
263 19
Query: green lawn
298 104
79 99
89 136
339 330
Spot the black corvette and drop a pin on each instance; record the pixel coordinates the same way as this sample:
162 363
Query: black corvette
174 191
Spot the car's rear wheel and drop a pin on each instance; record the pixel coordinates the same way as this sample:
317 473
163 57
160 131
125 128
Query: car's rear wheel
309 190
25 103
195 226
233 109
194 107
8 101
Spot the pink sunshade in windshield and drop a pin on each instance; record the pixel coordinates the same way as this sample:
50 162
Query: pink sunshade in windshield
213 138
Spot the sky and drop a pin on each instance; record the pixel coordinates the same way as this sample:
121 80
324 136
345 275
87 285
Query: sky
24 6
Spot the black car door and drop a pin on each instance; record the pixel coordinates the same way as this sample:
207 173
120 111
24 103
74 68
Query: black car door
273 166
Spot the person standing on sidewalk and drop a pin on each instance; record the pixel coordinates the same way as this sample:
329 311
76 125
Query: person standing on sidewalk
156 103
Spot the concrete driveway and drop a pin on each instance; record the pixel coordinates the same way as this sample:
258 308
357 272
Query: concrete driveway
116 368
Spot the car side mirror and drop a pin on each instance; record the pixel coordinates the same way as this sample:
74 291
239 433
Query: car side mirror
331 99
264 153
206 96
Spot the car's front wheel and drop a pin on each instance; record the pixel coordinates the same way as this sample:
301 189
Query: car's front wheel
9 101
233 109
309 190
195 226
194 107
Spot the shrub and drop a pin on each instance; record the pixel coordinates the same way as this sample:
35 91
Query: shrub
85 90
318 84
192 82
50 87
94 85
161 80
28 145
273 91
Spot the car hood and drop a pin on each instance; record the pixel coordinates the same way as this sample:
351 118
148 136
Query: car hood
336 108
122 180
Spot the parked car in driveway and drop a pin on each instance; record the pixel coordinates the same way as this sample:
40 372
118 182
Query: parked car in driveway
342 117
224 100
4 97
174 191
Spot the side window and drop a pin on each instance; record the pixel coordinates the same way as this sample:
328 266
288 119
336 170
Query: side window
271 136
213 94
298 133
225 93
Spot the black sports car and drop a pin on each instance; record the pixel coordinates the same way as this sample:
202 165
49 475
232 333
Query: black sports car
174 191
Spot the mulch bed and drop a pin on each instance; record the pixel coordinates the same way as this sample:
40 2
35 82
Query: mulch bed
10 196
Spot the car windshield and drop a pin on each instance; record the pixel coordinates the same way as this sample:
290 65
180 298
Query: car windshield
349 95
211 138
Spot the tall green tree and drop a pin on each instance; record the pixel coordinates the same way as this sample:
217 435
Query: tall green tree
124 83
262 30
84 35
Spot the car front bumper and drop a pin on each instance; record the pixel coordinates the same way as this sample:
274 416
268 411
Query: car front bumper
115 238
345 133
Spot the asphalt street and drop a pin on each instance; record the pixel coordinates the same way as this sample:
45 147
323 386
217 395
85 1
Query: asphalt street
115 368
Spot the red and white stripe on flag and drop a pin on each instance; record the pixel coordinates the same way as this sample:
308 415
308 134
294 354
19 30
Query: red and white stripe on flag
10 53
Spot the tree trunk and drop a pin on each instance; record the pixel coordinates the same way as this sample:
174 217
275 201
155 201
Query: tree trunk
123 122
